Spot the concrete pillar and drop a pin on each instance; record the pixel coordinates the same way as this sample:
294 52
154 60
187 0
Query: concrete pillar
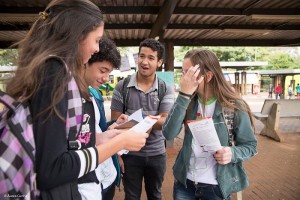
237 82
244 83
283 86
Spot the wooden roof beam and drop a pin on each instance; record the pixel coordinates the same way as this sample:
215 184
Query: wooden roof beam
163 18
169 6
26 26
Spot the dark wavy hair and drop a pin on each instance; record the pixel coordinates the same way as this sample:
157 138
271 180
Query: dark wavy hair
154 45
108 52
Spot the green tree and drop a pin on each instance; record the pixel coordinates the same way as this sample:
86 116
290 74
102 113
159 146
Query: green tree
229 54
8 57
179 52
281 61
278 58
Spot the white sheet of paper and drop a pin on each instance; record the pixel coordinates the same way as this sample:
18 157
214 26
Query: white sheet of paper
137 115
205 134
143 126
133 119
125 65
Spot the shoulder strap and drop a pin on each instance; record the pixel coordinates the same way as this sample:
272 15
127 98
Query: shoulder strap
228 114
95 93
125 92
9 102
162 88
74 114
99 101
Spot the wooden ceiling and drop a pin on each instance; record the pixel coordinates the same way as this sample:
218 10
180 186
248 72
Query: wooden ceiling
180 22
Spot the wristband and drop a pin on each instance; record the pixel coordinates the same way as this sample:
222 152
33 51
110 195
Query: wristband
185 94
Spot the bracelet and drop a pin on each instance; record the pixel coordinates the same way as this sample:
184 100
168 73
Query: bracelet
185 94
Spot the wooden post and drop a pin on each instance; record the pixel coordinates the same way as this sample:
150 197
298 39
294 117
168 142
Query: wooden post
169 56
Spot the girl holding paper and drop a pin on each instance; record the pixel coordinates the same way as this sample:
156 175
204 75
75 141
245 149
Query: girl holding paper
202 170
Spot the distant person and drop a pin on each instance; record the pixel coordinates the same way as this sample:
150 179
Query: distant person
256 89
107 90
290 91
278 91
270 90
298 91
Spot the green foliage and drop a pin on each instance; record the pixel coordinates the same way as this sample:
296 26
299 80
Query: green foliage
277 57
126 50
179 52
231 54
8 57
177 75
282 61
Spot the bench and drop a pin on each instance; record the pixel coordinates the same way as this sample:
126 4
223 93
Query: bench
272 111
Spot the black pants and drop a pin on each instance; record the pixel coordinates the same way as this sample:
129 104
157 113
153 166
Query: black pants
109 192
137 168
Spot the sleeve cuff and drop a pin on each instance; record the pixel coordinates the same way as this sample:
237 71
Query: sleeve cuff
182 101
88 160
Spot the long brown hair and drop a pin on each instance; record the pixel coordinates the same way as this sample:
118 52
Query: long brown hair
57 31
223 91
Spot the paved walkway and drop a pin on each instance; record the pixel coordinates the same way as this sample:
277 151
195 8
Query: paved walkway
273 174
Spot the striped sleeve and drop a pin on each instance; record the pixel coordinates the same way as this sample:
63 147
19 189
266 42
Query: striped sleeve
88 160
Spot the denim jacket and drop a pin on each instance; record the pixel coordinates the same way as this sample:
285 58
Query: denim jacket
231 177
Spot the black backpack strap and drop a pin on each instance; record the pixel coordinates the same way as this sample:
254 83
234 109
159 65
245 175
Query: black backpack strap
75 107
125 92
162 89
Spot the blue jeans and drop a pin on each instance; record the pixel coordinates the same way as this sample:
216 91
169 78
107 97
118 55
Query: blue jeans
200 191
151 168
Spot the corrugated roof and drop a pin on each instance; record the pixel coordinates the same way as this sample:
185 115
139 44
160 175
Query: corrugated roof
182 22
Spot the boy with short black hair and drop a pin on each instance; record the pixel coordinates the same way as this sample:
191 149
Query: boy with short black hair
143 92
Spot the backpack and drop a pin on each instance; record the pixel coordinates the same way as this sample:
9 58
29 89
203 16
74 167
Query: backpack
17 147
161 91
228 115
